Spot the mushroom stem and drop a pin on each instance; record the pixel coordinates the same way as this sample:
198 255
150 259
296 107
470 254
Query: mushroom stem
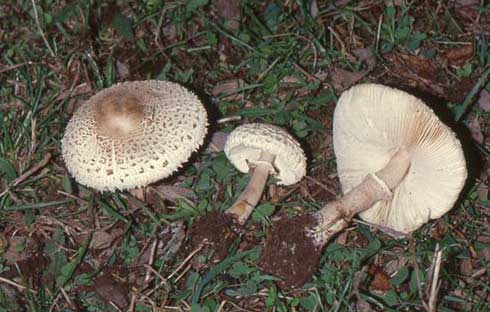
335 216
248 199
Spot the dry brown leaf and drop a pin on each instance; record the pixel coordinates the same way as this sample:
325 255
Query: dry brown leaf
227 87
111 290
171 192
367 56
459 56
314 9
395 264
484 100
230 11
122 69
100 239
217 144
475 130
419 73
466 267
343 79
381 281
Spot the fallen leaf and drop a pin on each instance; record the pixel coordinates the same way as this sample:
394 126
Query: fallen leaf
227 89
343 79
111 290
466 267
381 281
172 192
475 130
461 55
230 11
122 69
367 56
484 100
314 9
217 144
395 264
100 239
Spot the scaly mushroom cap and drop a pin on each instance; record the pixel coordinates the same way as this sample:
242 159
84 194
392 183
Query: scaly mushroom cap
371 122
133 134
245 144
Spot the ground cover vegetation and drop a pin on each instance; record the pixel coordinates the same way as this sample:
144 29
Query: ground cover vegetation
64 247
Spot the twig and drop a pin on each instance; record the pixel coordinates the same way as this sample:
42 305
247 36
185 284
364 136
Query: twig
183 273
419 285
28 173
435 279
32 170
115 306
147 276
322 185
12 67
228 119
12 283
67 298
189 257
40 29
378 33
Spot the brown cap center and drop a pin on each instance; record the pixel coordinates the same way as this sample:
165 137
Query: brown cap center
118 115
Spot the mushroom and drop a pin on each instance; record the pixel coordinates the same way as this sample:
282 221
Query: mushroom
133 134
398 164
371 123
262 150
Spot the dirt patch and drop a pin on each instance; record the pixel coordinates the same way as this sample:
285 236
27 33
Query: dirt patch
217 230
290 253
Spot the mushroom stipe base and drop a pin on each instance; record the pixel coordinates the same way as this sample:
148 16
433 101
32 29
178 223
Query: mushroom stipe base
217 230
290 253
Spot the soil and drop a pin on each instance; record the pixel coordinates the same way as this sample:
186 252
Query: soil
217 230
290 252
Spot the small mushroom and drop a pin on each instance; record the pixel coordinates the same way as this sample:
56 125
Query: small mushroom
262 150
399 166
133 134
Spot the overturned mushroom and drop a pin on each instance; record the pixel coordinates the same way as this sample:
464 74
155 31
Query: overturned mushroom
260 150
133 134
399 166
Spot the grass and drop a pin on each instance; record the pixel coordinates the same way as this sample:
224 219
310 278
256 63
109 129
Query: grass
68 247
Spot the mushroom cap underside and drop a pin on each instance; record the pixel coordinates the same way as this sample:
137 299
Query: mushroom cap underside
133 134
246 143
371 123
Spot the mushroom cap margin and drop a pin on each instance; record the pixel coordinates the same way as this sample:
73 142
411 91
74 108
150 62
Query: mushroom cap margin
245 144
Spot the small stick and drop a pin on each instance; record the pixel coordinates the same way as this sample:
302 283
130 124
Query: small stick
228 119
435 279
33 169
322 185
378 33
12 283
189 257
28 173
419 284
9 68
36 17
67 298
147 276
